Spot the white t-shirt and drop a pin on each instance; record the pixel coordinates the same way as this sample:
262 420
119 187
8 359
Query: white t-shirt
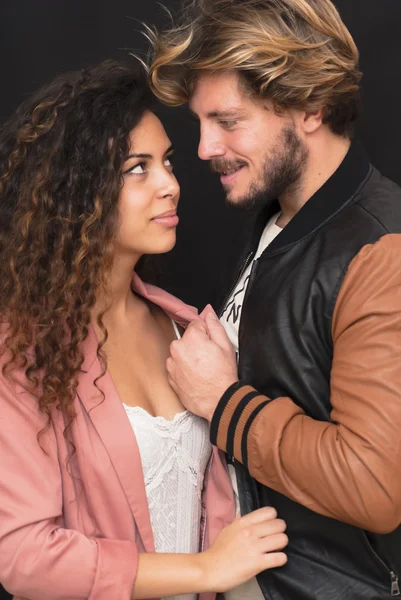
230 320
231 315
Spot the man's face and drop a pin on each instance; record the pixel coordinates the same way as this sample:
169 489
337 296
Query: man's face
258 153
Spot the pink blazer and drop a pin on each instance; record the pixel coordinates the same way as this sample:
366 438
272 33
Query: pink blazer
72 523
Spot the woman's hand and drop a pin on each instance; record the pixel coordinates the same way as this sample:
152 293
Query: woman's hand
245 548
241 550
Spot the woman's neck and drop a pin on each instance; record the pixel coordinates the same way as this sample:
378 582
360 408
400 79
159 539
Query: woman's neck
120 300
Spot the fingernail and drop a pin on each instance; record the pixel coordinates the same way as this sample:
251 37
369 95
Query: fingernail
212 315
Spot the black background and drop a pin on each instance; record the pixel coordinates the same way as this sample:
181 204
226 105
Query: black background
41 39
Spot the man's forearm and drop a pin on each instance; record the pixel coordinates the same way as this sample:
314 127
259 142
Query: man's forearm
327 467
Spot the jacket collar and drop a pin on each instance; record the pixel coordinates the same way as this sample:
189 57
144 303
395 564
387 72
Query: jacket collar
338 191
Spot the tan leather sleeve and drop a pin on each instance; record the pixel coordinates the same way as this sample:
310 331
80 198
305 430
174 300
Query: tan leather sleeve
349 469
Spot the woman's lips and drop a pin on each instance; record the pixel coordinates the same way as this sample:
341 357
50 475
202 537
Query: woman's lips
168 219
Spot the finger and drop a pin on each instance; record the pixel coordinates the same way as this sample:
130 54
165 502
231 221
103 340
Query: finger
174 347
208 308
216 331
266 513
170 365
196 333
272 543
197 325
172 383
270 527
273 560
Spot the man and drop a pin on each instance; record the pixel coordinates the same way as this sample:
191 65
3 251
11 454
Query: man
311 413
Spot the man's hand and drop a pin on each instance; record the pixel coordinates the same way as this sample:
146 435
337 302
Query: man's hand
202 366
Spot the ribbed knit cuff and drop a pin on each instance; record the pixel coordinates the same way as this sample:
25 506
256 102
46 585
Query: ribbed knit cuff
233 417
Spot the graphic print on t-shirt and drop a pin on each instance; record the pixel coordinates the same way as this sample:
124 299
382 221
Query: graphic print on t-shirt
231 314
233 309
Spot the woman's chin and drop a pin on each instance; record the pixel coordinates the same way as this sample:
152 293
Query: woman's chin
163 246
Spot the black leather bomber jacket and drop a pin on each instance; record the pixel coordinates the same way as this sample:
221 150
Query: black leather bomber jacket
316 415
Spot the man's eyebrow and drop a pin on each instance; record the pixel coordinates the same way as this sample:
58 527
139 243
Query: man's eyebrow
143 155
226 114
231 113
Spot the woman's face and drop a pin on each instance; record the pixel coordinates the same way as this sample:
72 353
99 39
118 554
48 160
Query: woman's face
150 192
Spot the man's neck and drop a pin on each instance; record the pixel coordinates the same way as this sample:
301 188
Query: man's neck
326 154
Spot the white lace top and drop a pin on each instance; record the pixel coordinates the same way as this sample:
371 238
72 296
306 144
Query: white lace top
174 456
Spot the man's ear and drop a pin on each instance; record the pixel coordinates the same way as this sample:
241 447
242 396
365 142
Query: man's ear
311 120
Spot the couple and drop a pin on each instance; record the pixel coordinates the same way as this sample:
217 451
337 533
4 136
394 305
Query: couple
122 437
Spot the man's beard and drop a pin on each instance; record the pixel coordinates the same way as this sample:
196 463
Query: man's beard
282 172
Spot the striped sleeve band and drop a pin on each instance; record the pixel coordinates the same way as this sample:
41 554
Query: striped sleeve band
233 417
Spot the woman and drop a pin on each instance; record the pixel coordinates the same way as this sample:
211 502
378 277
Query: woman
109 489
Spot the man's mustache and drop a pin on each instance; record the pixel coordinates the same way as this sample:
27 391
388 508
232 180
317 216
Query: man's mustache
220 165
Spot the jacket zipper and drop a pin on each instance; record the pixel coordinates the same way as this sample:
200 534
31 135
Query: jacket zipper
395 587
251 280
240 273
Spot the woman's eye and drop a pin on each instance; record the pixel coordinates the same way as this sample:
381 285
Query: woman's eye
137 169
168 162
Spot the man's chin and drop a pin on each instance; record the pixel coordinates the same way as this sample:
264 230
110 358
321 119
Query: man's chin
254 199
240 202
233 196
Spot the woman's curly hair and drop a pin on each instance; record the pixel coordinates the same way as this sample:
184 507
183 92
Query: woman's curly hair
61 158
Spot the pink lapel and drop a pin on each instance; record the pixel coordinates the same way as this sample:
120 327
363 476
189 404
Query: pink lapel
177 310
109 417
111 422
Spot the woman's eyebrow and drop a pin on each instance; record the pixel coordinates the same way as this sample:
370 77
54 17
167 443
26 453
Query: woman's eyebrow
139 156
144 155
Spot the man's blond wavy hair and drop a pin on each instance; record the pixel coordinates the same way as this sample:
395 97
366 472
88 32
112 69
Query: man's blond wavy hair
296 53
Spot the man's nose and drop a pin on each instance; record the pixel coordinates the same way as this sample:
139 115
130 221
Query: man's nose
210 146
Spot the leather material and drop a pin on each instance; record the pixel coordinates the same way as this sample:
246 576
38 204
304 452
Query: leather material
286 352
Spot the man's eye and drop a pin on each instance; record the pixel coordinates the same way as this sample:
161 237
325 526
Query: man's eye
228 124
137 169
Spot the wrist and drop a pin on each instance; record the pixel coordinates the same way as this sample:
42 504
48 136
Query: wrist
205 567
225 395
220 393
